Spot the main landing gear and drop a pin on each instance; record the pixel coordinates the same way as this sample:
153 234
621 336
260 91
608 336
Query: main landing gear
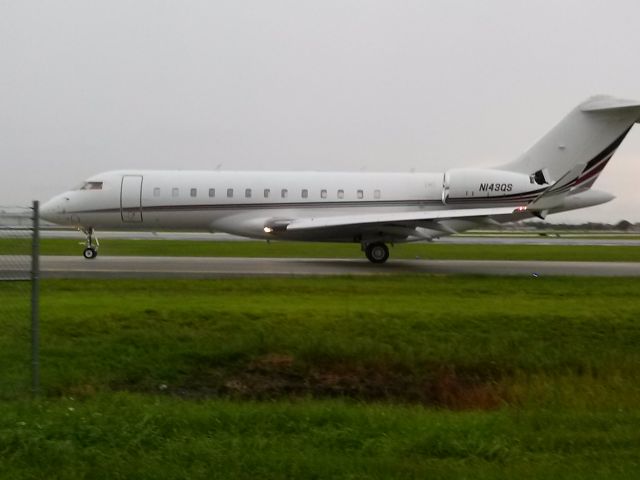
376 252
92 244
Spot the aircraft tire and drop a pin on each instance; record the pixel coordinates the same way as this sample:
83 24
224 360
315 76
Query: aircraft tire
377 252
90 253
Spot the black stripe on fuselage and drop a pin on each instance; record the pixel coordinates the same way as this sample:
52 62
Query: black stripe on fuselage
310 205
268 206
511 198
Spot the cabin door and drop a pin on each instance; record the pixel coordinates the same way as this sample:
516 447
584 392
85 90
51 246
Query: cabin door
131 199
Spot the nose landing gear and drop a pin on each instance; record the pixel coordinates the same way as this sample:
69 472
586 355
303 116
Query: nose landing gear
91 250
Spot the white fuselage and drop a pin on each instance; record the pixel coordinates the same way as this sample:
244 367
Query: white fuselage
243 203
238 202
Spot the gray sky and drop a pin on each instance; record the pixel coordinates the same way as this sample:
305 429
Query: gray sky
89 86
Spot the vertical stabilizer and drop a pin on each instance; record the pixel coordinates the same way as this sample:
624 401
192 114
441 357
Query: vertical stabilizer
589 135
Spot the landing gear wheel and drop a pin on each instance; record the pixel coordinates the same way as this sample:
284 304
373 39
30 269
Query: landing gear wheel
92 244
377 252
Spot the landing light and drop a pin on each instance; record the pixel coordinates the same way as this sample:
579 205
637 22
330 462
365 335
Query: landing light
521 209
268 229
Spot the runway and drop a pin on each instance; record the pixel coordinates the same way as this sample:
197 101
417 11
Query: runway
225 267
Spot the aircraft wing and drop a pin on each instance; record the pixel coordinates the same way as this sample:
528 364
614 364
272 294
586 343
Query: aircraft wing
399 218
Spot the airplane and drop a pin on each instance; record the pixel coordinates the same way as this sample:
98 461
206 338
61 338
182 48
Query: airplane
373 209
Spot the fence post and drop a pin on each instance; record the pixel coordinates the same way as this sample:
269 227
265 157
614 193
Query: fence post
35 300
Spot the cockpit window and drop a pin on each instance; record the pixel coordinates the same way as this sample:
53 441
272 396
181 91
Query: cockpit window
91 186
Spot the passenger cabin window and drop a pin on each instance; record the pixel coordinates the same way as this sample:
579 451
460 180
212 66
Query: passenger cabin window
284 193
323 194
341 194
305 193
91 186
175 192
247 193
212 192
376 194
267 192
360 194
229 192
194 192
156 192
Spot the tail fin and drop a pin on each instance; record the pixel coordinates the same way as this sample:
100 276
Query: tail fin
589 135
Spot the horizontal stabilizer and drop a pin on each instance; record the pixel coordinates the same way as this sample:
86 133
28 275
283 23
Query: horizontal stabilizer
554 195
604 103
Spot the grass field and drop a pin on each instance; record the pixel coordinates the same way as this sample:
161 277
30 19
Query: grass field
330 250
133 436
403 377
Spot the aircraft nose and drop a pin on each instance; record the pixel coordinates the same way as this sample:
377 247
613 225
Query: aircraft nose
53 210
47 210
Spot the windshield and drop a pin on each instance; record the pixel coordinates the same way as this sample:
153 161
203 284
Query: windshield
90 186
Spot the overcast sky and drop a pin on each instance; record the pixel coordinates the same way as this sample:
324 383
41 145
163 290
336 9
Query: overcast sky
89 86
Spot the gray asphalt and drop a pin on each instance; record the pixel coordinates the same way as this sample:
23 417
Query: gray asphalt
218 267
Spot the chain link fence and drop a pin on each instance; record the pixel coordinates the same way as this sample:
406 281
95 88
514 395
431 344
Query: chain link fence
19 299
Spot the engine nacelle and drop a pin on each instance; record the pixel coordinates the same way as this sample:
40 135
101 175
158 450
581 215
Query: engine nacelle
465 185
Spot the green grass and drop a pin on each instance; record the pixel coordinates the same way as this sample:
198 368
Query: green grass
401 377
330 250
133 436
204 334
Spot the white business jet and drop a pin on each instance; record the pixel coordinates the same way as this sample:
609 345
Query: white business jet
372 209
